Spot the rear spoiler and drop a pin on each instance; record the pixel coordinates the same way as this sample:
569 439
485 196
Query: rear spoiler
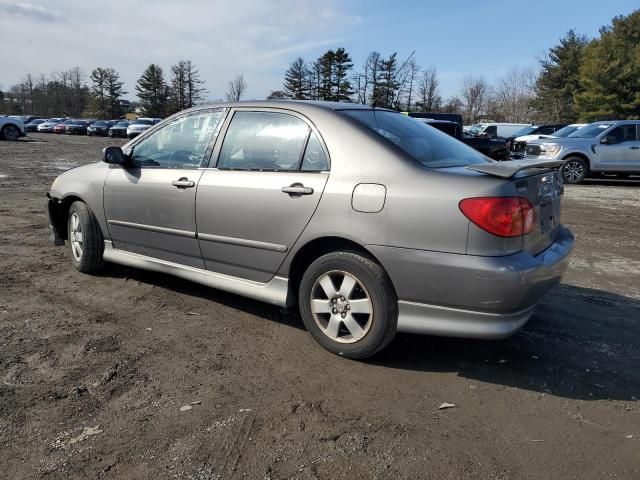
509 169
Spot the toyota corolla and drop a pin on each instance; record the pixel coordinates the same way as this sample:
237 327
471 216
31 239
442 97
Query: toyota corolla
369 221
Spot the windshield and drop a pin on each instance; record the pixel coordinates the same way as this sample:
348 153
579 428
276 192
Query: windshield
590 131
100 123
475 130
566 131
122 124
524 131
427 145
143 122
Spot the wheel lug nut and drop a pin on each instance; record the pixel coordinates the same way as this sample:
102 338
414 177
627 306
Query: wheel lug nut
342 299
344 314
335 310
334 300
348 307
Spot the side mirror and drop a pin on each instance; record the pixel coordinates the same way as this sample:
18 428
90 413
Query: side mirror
114 155
608 139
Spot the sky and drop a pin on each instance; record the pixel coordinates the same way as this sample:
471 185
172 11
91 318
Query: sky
260 38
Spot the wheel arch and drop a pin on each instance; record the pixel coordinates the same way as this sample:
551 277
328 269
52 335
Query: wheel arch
11 124
579 155
317 247
62 213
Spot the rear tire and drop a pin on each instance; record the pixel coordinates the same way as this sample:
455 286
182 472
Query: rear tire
574 170
348 304
10 132
85 239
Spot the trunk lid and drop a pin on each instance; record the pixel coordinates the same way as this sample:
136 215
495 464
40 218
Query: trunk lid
540 182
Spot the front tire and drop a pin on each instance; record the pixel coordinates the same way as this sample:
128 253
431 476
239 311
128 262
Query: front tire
85 239
11 133
574 170
348 304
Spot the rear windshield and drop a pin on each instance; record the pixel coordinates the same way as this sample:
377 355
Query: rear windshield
427 145
143 122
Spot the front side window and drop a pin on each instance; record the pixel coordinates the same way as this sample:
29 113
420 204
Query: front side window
263 141
430 147
181 143
621 134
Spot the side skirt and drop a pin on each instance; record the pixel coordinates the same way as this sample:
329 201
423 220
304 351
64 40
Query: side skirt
275 291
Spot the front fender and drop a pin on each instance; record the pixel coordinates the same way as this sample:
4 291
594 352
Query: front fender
85 183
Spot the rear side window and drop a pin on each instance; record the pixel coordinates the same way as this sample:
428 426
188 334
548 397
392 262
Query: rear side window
314 159
264 141
430 147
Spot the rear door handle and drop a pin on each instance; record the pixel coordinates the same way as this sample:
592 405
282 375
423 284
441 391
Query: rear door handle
183 182
297 189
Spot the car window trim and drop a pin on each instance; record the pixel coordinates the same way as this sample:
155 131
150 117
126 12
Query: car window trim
215 156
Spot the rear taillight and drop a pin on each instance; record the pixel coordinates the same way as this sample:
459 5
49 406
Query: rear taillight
501 216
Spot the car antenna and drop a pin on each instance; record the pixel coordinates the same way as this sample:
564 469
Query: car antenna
377 97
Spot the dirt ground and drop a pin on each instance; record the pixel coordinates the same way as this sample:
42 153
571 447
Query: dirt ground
95 369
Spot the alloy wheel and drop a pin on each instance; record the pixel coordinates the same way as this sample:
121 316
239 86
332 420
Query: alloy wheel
573 171
10 133
344 314
75 236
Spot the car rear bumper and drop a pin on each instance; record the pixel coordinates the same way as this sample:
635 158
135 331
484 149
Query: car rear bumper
472 296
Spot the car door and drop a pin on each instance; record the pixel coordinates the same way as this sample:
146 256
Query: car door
150 205
270 172
621 152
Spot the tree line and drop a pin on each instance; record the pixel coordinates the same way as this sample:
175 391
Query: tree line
579 79
100 95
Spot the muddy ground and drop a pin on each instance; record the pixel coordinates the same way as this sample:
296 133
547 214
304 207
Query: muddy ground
95 369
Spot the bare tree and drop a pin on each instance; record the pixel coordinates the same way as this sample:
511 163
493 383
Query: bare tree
474 93
429 90
513 95
237 87
412 77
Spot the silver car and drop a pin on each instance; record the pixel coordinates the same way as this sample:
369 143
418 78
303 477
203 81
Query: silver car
370 221
601 147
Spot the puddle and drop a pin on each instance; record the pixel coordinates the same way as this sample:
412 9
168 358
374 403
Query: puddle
3 175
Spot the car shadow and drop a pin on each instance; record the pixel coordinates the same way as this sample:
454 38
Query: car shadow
581 343
611 182
286 316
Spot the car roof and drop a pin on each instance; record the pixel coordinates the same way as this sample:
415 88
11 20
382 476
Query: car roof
301 106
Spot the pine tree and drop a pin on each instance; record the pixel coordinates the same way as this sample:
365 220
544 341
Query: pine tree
610 72
99 91
326 67
341 86
559 80
386 84
296 84
115 91
186 86
153 92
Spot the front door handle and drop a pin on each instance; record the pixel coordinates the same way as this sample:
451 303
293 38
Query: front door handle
297 189
183 182
634 148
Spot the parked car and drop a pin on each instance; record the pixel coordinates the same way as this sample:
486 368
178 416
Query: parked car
119 129
101 127
11 128
601 147
496 148
49 125
78 127
520 138
32 126
370 221
138 126
494 130
62 126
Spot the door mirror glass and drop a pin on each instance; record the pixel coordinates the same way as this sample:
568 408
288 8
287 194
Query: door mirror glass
114 155
608 140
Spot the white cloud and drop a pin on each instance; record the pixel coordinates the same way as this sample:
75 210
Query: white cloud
222 37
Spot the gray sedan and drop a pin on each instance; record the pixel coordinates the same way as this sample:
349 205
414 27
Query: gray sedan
369 221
